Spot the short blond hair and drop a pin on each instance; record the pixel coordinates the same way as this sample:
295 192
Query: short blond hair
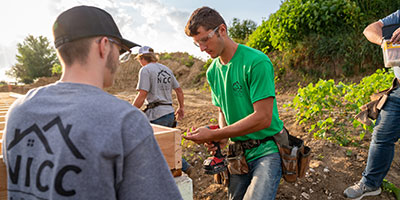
149 57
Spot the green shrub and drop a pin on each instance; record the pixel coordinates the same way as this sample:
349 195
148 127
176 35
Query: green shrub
260 38
376 9
203 72
297 19
188 62
56 69
327 109
165 56
313 33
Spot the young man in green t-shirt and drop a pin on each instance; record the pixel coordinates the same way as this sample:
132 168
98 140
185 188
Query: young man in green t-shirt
242 84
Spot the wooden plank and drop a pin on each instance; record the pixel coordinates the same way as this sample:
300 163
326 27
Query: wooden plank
3 179
15 95
1 141
4 106
169 140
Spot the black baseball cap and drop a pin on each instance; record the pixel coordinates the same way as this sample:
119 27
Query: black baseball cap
85 21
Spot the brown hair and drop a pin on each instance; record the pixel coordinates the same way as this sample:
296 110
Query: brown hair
75 51
206 17
149 57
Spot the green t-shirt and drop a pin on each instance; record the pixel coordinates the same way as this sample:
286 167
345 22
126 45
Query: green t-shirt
247 78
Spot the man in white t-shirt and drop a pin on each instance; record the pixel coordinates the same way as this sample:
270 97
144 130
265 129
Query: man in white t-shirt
155 85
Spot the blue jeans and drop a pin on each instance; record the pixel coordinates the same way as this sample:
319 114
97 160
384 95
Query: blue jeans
261 182
168 121
386 134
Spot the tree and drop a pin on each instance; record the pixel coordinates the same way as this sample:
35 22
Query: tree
239 31
35 59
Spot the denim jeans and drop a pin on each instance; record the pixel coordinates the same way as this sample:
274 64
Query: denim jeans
185 165
166 120
261 182
385 135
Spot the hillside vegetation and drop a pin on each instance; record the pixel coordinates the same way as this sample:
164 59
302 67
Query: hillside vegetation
314 39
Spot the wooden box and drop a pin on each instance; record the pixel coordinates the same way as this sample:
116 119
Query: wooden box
169 140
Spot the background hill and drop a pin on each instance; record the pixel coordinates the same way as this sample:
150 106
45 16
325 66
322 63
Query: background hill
186 68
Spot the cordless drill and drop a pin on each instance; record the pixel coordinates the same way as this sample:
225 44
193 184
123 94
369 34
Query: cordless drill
217 163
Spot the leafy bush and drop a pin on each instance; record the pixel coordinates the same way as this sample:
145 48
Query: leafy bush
376 9
341 55
358 95
203 72
313 33
328 109
260 38
188 62
297 19
56 69
165 56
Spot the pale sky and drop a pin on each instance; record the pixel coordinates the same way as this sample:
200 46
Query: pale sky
156 23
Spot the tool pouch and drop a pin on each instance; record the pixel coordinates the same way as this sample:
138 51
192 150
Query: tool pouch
295 156
236 160
370 111
222 178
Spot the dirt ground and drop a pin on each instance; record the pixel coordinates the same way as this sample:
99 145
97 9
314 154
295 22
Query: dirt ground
331 170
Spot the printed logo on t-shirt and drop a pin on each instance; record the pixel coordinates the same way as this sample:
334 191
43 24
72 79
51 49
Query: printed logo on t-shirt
31 137
237 89
163 77
164 80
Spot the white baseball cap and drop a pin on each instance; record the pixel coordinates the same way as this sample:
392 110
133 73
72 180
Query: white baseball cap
145 49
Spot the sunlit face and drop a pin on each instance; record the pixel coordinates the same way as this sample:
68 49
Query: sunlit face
204 40
209 41
142 61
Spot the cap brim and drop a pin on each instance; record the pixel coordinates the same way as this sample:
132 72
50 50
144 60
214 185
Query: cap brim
128 43
137 56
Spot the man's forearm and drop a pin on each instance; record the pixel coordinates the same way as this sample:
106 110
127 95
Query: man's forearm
373 32
138 103
250 124
139 100
260 119
180 97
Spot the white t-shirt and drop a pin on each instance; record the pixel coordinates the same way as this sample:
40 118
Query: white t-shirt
158 80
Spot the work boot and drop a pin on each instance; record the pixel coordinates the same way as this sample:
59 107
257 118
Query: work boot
360 190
